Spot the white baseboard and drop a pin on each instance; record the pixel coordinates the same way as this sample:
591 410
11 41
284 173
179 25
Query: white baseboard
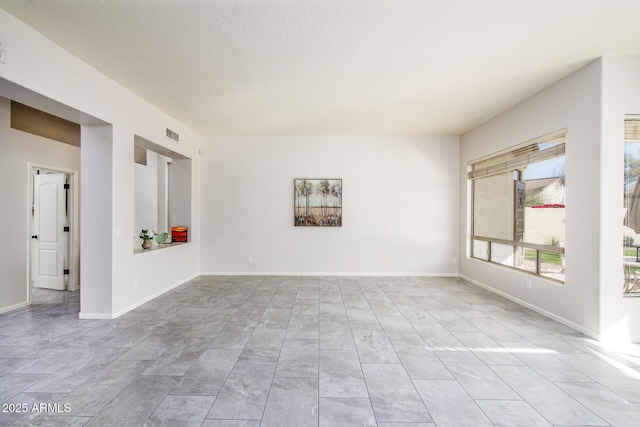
95 316
13 307
152 296
323 274
535 308
115 315
107 316
110 316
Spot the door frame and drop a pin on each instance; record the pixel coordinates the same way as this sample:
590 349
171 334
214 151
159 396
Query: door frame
74 225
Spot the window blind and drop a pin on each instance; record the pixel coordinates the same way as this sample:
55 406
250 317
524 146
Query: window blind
543 148
632 129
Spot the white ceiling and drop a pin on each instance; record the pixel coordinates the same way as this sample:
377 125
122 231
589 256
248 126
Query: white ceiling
335 67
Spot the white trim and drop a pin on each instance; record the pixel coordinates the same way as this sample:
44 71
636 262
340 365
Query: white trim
634 338
535 308
152 296
111 316
13 307
74 225
95 316
297 273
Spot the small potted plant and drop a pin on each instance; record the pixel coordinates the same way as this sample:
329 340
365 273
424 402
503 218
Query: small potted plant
147 238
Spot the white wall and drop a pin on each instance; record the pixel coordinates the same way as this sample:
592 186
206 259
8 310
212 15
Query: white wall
620 317
573 103
180 199
400 199
17 149
145 205
96 217
39 73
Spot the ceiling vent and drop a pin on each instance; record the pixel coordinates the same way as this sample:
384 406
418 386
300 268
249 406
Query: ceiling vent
173 135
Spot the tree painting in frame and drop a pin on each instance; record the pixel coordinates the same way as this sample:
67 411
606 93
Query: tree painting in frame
317 202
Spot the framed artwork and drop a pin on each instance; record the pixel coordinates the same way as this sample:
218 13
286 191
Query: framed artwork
317 202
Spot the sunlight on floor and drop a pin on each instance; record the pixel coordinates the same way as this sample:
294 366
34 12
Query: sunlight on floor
494 350
629 352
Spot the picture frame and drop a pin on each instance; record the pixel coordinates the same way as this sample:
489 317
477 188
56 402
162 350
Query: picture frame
317 202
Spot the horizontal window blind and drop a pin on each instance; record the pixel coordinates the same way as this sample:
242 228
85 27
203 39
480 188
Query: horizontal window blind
540 149
632 129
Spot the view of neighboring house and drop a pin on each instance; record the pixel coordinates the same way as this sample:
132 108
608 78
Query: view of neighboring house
544 191
545 211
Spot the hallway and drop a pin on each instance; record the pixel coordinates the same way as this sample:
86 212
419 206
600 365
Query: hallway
309 351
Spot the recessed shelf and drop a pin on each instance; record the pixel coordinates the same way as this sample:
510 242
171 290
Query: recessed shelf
156 247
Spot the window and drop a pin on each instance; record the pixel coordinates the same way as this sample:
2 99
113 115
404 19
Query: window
162 189
631 203
518 202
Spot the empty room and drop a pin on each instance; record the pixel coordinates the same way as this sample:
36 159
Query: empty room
320 213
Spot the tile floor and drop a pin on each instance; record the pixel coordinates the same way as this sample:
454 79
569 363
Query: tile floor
310 351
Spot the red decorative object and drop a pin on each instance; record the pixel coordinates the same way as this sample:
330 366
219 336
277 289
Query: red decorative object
179 234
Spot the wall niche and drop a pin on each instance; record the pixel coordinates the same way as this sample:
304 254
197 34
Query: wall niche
162 190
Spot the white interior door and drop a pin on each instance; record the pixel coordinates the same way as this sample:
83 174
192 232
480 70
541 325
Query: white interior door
49 237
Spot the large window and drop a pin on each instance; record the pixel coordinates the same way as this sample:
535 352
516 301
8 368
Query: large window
518 202
631 224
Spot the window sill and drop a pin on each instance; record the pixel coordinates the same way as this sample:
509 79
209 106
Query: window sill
532 273
158 247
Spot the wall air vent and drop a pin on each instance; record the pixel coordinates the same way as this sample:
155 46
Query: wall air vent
173 135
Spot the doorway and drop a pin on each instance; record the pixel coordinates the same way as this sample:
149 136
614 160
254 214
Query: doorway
54 238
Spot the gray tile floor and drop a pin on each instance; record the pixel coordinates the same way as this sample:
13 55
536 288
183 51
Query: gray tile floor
310 351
